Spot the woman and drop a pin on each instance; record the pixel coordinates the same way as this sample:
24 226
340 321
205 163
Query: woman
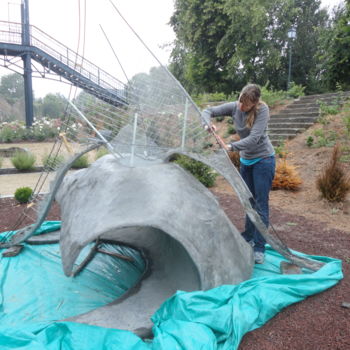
257 156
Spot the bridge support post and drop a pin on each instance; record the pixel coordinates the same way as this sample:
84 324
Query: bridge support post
27 65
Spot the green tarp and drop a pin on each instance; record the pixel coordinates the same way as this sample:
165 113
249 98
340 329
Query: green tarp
35 294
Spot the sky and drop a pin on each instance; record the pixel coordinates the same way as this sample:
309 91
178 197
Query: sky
77 24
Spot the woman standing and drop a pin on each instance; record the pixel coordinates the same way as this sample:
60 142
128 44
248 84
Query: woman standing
257 156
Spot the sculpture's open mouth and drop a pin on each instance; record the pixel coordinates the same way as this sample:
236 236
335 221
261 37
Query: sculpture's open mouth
169 268
161 210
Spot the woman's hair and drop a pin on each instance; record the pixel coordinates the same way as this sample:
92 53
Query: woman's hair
251 94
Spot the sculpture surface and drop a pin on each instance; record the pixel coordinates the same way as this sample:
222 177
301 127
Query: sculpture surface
164 212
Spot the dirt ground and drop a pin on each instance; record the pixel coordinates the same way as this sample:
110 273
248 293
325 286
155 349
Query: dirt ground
305 223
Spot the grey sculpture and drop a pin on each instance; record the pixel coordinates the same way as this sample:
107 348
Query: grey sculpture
163 211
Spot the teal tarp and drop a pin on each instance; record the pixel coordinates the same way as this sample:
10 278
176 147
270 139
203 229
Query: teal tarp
34 293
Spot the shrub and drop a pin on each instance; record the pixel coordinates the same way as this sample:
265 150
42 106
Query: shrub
272 98
231 130
286 176
280 150
219 119
102 151
295 90
23 160
53 162
310 141
333 183
7 134
200 171
82 162
23 194
329 108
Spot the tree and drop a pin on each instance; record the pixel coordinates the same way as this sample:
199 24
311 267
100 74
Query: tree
199 25
339 51
12 87
311 23
52 106
221 45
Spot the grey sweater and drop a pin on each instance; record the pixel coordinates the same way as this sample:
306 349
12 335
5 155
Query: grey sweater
254 142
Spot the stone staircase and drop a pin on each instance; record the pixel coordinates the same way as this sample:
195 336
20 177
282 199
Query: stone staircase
299 115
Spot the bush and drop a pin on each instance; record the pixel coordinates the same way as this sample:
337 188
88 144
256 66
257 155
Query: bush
23 160
310 141
52 162
272 98
333 183
102 151
7 134
200 171
231 130
82 162
23 194
286 177
295 90
1 160
329 108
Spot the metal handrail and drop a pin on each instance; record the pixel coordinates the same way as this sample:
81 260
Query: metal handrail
11 32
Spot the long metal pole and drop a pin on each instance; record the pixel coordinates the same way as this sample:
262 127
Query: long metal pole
290 64
27 65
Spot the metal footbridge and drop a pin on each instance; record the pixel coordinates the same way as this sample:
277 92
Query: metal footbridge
20 44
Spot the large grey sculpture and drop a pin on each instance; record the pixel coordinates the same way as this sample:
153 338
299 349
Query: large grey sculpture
163 211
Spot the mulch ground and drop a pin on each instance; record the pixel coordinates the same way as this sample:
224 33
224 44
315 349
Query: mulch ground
318 323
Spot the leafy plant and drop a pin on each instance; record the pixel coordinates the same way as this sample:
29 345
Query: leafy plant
325 139
272 98
295 90
310 141
7 134
346 121
23 160
329 108
200 171
280 150
23 194
333 183
231 130
53 162
102 151
82 162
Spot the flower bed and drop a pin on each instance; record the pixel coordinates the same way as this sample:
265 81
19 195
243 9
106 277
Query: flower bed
44 129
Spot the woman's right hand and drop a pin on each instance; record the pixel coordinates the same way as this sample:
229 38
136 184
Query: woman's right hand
210 127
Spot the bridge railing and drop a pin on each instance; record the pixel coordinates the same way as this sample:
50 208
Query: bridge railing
11 32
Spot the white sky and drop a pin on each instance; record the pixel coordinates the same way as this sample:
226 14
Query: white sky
60 19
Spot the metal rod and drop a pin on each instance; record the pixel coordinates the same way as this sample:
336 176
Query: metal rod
109 146
133 141
184 126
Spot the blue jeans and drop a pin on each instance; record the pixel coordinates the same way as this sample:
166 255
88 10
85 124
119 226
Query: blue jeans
258 178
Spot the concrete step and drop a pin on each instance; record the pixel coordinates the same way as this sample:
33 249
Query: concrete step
328 100
278 139
285 131
287 119
295 115
330 95
283 124
300 109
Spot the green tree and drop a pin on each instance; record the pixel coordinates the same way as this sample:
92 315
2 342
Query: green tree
52 106
12 87
311 22
339 50
221 45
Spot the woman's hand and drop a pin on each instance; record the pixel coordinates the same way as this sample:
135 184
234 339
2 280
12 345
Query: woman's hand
210 127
